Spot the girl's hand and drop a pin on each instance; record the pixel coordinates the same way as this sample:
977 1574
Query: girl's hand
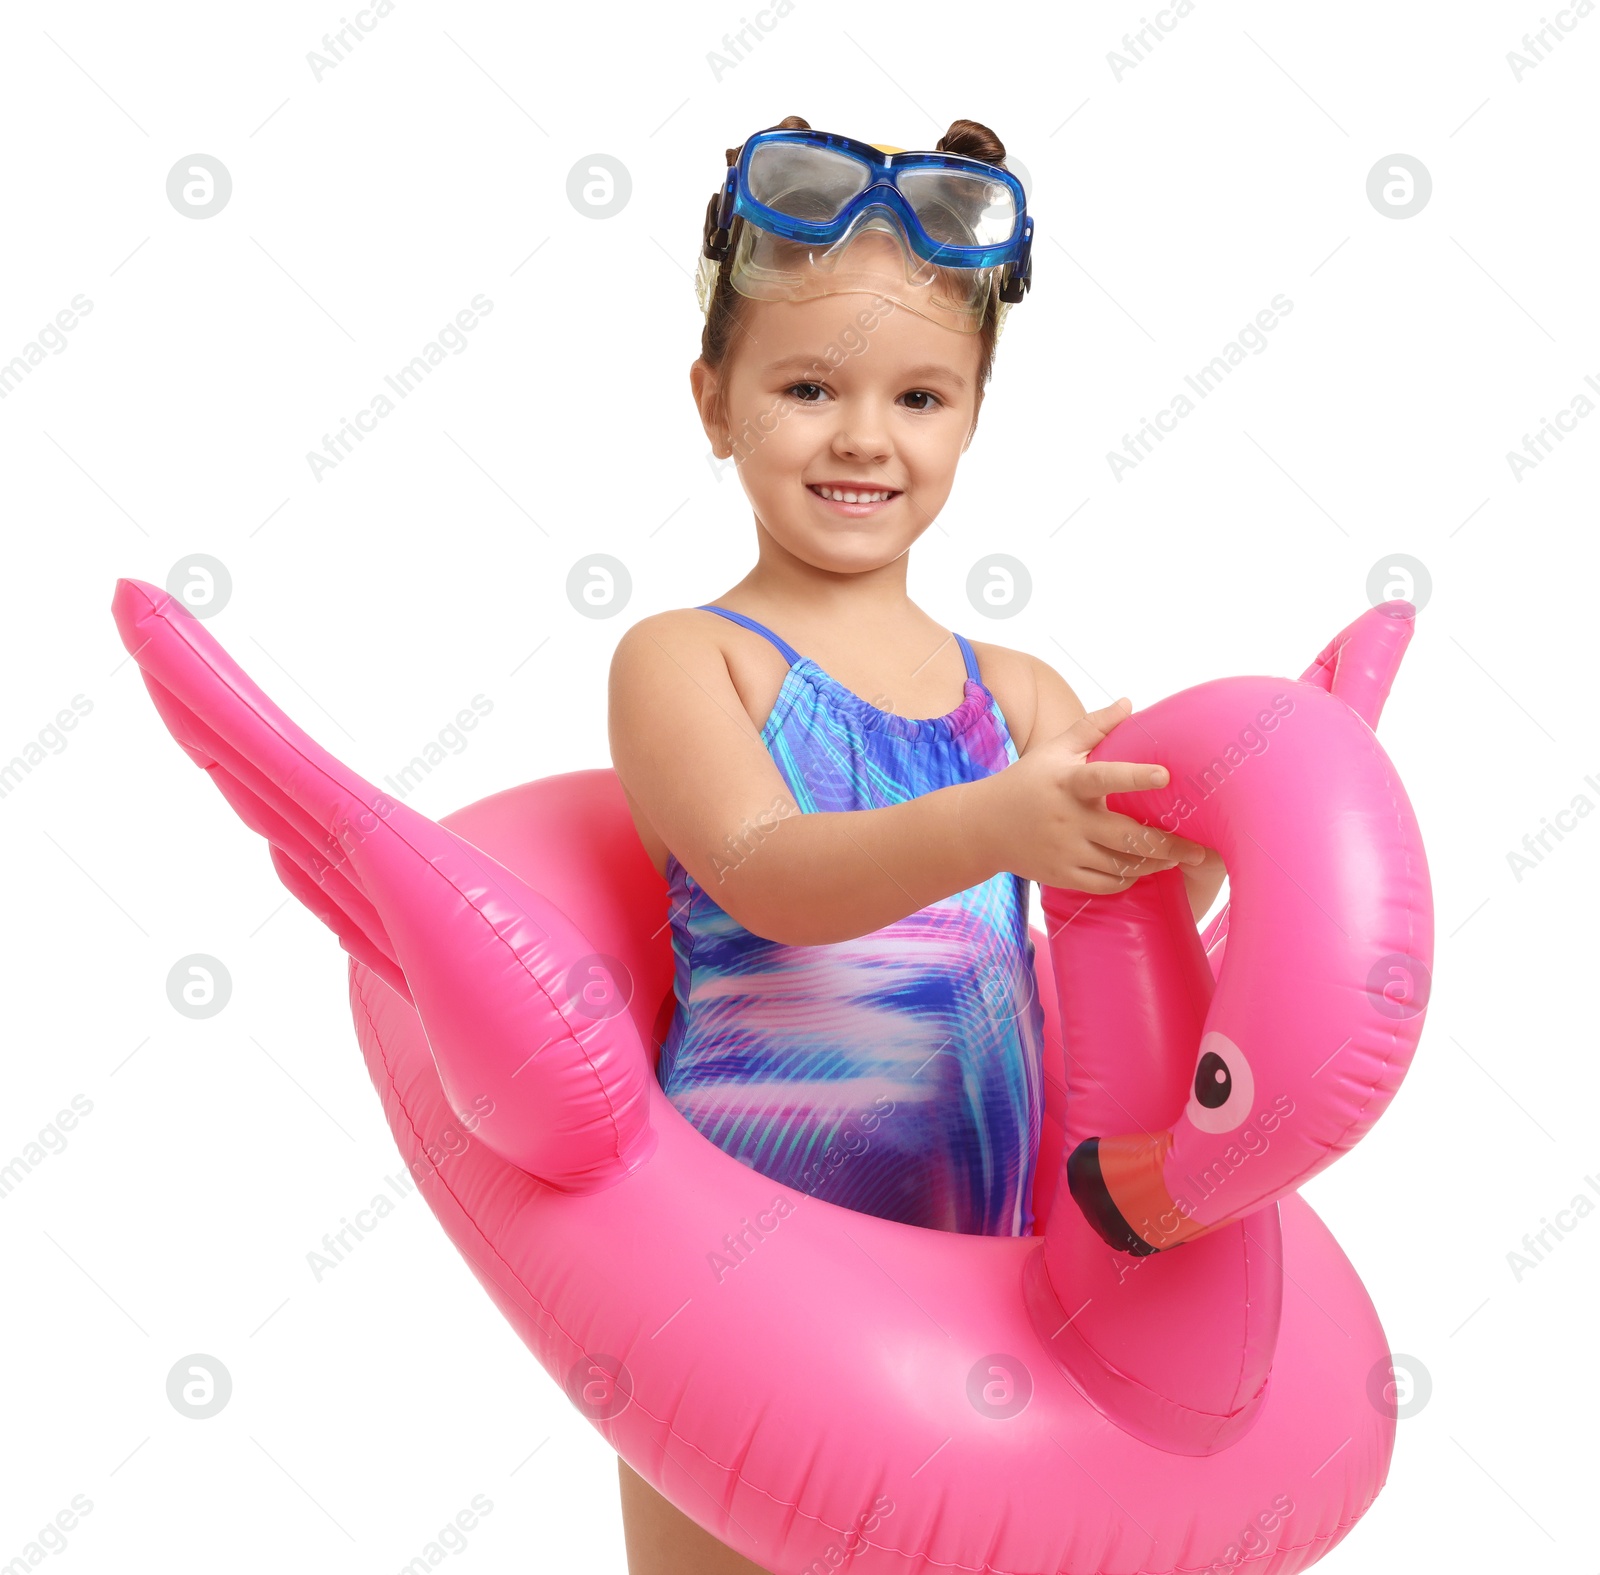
1049 814
1203 882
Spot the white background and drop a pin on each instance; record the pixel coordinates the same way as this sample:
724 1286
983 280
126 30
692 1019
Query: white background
431 165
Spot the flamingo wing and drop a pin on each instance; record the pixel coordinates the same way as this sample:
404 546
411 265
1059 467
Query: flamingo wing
501 978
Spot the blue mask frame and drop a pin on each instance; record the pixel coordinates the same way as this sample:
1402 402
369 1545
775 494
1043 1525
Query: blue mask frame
881 190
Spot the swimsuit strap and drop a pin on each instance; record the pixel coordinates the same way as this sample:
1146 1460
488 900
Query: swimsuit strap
792 656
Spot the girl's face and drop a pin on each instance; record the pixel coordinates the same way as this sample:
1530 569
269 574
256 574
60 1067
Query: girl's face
847 393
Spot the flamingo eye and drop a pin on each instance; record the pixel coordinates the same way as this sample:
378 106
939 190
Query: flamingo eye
1224 1087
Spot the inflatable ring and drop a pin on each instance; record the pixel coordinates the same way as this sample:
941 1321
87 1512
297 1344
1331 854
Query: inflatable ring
1178 1372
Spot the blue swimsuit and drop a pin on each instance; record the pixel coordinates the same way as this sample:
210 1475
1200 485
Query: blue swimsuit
898 1073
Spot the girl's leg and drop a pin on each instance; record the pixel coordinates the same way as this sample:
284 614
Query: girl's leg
662 1540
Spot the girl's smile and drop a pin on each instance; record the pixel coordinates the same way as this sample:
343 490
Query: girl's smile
854 500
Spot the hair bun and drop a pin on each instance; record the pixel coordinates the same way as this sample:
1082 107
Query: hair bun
973 140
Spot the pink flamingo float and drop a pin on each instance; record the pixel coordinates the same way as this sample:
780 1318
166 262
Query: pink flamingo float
1180 1372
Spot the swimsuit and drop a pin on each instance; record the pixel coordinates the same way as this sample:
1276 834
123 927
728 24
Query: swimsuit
899 1073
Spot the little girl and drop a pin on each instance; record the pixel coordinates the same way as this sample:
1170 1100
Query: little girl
856 1010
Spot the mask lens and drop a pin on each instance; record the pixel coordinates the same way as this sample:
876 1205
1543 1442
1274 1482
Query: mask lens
807 183
793 180
960 207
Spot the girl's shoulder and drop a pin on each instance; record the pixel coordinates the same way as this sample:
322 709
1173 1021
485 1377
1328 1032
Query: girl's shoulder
1036 701
687 645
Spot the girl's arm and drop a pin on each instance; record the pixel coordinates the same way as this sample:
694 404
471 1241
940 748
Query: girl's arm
694 764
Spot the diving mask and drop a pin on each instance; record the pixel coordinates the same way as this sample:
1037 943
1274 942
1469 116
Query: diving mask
820 210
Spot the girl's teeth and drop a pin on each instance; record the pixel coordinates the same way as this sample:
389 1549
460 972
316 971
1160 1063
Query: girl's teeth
837 496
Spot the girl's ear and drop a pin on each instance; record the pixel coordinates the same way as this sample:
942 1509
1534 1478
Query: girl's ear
706 387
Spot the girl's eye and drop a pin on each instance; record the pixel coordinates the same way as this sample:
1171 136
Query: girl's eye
796 391
922 393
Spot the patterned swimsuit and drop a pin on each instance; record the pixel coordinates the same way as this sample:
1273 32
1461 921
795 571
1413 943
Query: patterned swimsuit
898 1073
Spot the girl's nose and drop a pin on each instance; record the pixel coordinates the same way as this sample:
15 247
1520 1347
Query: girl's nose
862 435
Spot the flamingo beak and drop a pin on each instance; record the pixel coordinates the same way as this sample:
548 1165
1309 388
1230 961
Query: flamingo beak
1117 1182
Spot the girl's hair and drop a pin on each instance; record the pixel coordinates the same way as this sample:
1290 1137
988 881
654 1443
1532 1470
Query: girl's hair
967 137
